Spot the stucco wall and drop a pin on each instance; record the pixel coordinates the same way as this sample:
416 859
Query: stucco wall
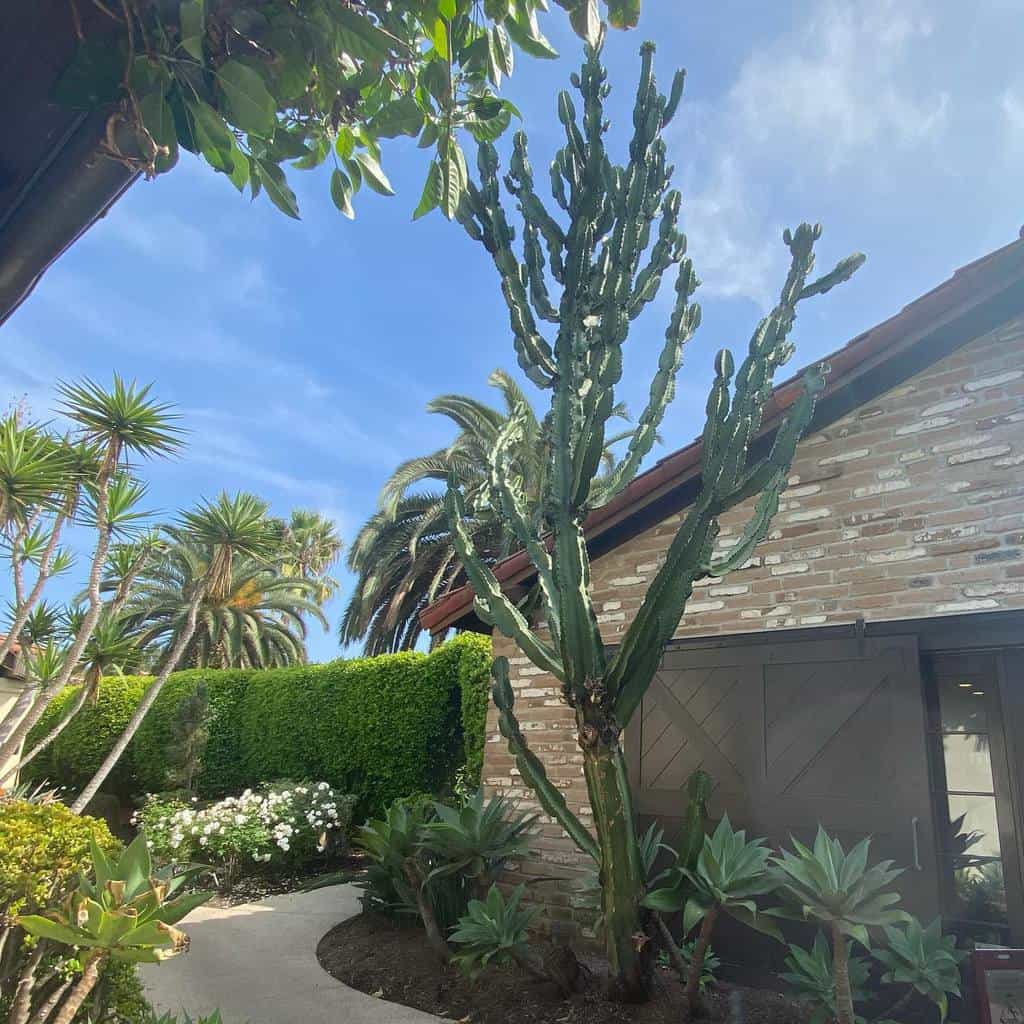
910 506
9 693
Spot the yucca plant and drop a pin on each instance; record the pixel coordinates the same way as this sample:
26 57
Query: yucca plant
730 872
230 526
924 959
124 912
827 884
111 424
495 931
811 975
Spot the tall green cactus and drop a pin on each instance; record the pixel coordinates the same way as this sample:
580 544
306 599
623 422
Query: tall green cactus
611 220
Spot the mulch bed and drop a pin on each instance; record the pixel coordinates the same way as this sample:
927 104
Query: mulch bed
392 961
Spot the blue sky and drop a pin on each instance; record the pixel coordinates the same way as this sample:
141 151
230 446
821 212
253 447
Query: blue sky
302 355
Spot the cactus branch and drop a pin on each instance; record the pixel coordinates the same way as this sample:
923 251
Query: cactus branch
549 797
491 603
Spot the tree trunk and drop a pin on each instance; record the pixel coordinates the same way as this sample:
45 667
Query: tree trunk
841 974
12 732
85 984
435 937
151 694
21 1005
24 608
696 968
49 737
622 878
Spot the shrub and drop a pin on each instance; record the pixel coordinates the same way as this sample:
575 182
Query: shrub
288 824
381 727
43 848
72 760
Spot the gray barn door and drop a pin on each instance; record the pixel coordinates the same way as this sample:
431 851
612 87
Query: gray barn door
829 731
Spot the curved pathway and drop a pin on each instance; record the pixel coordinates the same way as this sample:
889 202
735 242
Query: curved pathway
257 963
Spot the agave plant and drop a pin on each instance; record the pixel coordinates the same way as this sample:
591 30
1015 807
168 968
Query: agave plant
924 959
730 871
475 839
494 931
811 976
827 884
684 957
125 912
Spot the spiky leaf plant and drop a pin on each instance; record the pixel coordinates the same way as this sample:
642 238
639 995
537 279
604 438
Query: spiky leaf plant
585 271
924 959
730 872
825 883
475 839
124 912
494 931
810 974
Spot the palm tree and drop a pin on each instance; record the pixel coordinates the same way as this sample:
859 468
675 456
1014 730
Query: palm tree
111 424
255 621
404 557
310 546
230 528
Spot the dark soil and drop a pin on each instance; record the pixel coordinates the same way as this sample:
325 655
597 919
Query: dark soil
392 961
259 886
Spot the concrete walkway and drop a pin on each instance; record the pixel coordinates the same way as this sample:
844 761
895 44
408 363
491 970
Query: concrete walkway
257 963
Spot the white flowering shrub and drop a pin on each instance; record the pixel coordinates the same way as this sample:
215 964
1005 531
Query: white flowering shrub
284 824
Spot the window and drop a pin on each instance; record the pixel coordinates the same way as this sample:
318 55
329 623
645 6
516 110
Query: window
971 794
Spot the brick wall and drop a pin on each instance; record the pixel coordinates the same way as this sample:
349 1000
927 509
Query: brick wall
908 507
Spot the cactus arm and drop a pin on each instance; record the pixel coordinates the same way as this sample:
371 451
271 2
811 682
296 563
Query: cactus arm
635 662
485 218
491 603
685 320
513 505
535 215
551 799
756 528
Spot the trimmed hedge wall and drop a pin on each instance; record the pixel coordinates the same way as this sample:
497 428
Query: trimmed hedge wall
377 727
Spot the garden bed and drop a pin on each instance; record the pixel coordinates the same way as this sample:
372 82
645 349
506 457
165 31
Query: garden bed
392 961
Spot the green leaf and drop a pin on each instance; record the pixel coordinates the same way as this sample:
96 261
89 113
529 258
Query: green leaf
439 37
341 193
192 16
429 135
159 122
456 177
93 78
345 143
212 135
447 8
503 48
400 117
318 147
359 37
291 63
623 13
44 928
373 174
497 10
277 188
250 105
586 21
173 911
522 27
431 192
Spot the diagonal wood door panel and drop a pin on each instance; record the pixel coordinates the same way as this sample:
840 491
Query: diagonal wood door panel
794 734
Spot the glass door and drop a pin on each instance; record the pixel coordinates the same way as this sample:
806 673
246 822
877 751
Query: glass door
972 796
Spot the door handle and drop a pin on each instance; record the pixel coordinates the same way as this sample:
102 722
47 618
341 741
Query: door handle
916 844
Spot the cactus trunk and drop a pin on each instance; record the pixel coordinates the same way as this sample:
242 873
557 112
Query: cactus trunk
622 878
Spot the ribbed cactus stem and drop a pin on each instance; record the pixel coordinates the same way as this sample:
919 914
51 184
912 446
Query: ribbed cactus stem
587 270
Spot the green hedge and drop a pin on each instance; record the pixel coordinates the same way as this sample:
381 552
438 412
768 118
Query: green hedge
378 727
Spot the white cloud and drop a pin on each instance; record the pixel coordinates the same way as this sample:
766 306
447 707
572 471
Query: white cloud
833 100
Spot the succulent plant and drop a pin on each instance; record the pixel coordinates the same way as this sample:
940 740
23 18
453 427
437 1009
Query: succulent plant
589 266
811 975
